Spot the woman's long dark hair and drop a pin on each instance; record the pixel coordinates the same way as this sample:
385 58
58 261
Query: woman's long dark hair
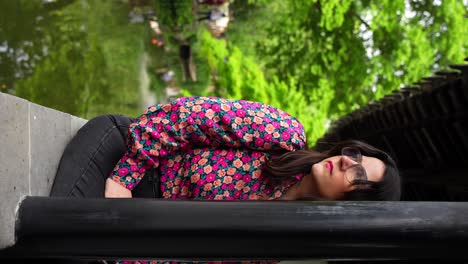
290 164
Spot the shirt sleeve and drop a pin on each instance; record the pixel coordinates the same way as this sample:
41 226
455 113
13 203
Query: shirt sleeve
200 122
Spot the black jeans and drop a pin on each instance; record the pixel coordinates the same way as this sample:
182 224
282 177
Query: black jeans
90 157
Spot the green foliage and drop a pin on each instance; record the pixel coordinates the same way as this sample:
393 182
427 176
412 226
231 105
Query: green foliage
346 53
91 69
176 20
257 2
203 82
446 27
174 14
333 13
23 36
238 76
315 59
74 96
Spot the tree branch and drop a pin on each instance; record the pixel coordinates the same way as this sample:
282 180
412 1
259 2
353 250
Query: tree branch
362 21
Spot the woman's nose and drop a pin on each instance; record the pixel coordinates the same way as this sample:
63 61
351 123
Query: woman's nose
347 162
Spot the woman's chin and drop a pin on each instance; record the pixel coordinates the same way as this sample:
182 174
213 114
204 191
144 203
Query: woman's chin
318 169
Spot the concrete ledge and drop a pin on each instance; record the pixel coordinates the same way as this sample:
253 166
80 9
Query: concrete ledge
14 162
32 139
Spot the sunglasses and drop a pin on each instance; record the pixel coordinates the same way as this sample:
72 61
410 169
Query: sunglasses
355 173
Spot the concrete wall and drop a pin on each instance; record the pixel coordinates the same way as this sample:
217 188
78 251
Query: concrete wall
32 139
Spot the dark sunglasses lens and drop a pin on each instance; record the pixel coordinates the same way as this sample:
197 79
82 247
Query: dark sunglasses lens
356 173
353 153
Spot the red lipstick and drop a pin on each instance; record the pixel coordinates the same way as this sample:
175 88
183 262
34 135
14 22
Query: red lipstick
330 166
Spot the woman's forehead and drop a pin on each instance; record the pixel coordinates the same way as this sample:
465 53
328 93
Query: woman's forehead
374 167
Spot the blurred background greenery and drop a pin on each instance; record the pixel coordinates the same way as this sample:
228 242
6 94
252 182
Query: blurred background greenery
315 59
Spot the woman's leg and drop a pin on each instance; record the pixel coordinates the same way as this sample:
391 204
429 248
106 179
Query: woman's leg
90 157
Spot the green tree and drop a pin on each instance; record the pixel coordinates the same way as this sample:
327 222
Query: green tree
22 38
91 68
336 55
174 15
347 53
239 77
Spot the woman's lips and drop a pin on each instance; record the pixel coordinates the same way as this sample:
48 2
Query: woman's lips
330 166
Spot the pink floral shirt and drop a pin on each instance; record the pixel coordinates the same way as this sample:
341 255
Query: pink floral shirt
210 148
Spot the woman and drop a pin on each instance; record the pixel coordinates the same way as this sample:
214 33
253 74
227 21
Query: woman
218 149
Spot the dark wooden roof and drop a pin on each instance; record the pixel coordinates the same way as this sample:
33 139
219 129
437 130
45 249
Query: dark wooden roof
425 128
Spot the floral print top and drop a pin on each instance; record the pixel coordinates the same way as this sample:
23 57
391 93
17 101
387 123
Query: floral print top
210 148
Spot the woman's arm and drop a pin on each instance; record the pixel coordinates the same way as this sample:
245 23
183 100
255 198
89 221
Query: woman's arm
201 122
